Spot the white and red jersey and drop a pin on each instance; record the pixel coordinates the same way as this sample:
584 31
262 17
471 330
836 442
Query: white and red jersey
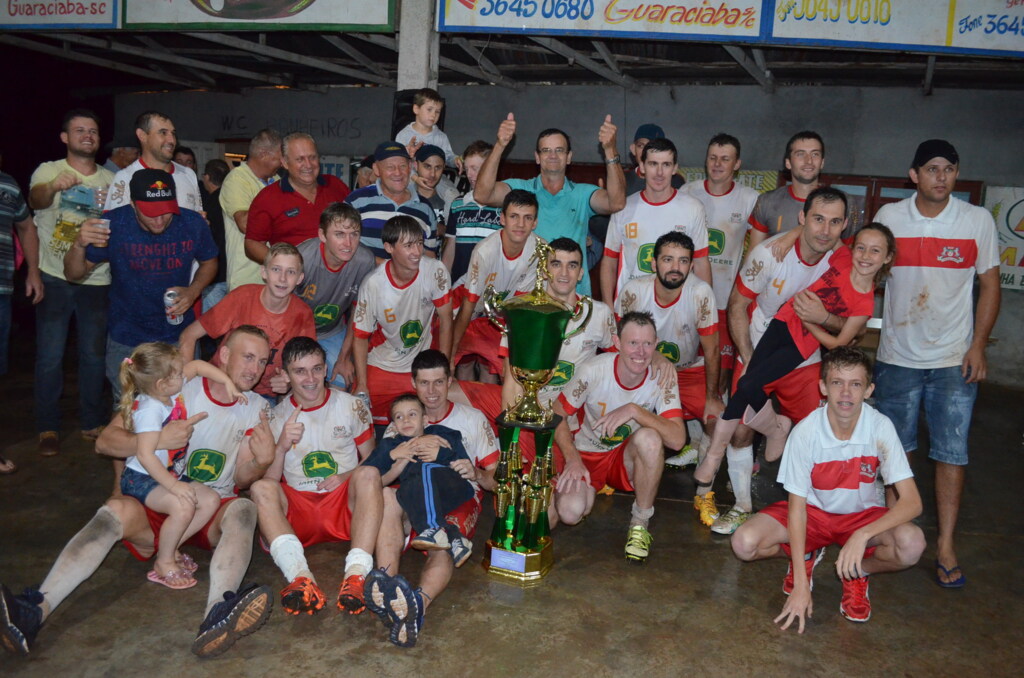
396 319
477 435
595 390
633 231
213 447
186 186
596 335
728 224
838 476
929 319
329 446
489 265
680 324
771 283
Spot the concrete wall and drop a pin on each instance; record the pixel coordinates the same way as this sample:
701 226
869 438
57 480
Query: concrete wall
866 131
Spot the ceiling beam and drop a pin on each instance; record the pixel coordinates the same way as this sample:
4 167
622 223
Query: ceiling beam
292 57
478 56
353 52
762 75
70 55
586 62
929 75
607 55
195 73
444 62
136 51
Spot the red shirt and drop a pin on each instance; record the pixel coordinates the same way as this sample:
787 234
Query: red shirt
244 307
838 295
279 213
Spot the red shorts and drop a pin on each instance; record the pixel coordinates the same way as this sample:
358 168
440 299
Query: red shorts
466 516
319 517
608 468
156 521
384 387
481 342
797 392
725 346
823 528
693 391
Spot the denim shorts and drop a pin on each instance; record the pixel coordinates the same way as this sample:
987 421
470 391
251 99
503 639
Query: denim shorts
948 404
139 485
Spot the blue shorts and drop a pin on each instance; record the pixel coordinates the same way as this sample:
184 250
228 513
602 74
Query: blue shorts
139 485
948 404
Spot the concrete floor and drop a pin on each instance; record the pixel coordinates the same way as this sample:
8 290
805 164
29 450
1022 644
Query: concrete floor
693 606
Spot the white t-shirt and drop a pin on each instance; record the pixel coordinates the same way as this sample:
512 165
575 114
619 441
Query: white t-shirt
150 415
329 445
595 390
489 265
727 229
838 476
771 283
681 324
402 314
435 137
633 231
929 310
186 186
213 447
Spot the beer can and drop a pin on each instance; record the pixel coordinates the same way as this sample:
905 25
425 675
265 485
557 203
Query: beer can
170 299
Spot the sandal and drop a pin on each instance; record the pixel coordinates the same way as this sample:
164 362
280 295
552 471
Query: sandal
7 467
184 579
187 564
957 583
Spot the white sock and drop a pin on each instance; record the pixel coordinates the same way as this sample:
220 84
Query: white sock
640 516
358 562
741 466
81 556
233 552
289 556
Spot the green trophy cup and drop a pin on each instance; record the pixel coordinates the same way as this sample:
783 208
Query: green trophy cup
519 550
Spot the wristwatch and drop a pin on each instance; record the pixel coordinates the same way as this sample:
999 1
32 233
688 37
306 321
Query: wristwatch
612 161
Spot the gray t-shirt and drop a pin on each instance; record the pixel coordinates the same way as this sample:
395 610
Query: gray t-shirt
330 293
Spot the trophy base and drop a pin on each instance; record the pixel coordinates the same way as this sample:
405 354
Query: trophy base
514 567
503 421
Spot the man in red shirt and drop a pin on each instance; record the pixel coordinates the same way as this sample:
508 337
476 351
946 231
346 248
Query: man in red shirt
289 210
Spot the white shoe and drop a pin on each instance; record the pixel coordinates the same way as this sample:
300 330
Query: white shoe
727 523
687 457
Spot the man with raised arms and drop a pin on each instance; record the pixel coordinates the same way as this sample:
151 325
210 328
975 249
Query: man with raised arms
623 418
315 491
658 209
230 446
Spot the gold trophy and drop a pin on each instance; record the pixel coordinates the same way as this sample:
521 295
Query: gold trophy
519 550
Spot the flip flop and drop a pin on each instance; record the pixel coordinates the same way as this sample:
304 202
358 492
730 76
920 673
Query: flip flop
957 583
188 564
168 579
7 467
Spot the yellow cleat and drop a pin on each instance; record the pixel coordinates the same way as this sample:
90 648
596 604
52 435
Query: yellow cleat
706 507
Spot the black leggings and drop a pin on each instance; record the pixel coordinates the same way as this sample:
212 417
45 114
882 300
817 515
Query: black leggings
774 357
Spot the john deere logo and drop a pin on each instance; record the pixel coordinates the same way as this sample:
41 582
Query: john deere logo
716 242
319 464
619 437
325 315
205 465
563 373
645 258
411 333
669 350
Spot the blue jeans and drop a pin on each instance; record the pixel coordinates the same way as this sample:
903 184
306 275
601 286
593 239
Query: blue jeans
948 405
213 294
116 353
88 305
5 331
332 346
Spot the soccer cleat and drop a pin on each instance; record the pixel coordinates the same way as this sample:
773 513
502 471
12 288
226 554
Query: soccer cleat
20 619
706 507
350 595
856 603
431 539
686 457
374 587
638 544
405 608
728 523
811 561
237 616
302 595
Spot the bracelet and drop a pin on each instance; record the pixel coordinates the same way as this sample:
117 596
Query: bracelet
612 161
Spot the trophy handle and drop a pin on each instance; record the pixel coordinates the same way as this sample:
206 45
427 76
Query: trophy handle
491 308
583 301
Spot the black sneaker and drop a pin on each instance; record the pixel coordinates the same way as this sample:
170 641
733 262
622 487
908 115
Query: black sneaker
239 615
20 619
460 548
373 594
